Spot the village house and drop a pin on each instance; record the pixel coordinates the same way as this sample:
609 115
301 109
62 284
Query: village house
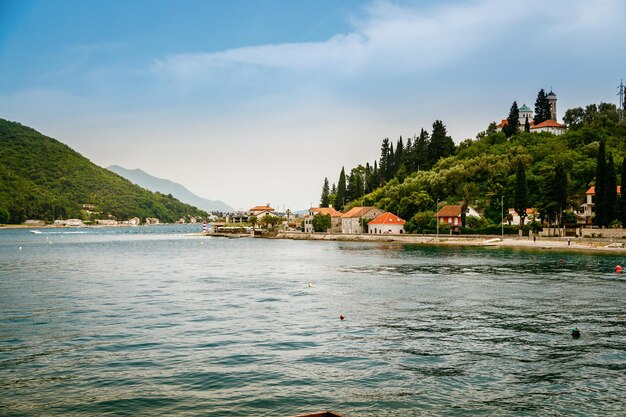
135 221
335 218
386 223
513 219
106 222
586 209
151 221
262 211
356 219
451 215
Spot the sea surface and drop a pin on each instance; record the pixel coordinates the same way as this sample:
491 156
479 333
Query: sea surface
151 321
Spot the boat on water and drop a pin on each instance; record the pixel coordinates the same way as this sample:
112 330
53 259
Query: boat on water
37 232
322 414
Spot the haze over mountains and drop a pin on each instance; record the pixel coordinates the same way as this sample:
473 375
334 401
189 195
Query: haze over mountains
165 186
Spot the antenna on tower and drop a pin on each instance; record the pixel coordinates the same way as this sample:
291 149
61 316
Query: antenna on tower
621 99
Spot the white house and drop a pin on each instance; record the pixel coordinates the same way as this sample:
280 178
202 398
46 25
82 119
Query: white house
386 223
262 211
355 220
550 126
514 219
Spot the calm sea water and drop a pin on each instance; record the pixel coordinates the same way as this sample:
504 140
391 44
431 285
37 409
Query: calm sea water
151 321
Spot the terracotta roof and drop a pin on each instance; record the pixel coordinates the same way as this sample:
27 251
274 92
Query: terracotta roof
387 218
529 211
503 123
262 208
592 190
327 210
357 212
548 123
449 211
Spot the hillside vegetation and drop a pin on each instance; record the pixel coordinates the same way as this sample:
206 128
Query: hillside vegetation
41 178
482 171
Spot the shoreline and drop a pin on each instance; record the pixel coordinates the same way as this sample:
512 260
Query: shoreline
556 244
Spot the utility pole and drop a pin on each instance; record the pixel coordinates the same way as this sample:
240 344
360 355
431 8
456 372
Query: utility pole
437 215
621 99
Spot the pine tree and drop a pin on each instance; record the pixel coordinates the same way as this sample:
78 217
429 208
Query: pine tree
542 108
622 200
341 191
600 207
441 145
324 201
611 189
512 122
520 201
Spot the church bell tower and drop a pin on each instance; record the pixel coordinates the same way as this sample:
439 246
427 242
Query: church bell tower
552 100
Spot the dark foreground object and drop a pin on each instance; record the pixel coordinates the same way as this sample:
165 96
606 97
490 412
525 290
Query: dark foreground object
321 414
575 333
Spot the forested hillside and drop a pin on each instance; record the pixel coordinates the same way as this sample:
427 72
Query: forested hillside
409 178
41 178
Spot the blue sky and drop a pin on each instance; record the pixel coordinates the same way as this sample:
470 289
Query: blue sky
256 102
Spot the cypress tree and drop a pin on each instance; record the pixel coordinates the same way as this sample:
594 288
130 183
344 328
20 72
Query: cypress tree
520 201
600 206
341 190
542 108
622 200
390 169
560 189
408 155
384 158
512 122
399 156
611 190
325 201
420 150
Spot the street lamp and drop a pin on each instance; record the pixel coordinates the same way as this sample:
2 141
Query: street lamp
437 216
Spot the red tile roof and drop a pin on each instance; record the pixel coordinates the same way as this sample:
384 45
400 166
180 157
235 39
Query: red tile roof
548 123
327 210
449 211
357 212
592 190
262 208
387 218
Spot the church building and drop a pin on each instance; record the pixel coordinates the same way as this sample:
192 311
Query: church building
526 113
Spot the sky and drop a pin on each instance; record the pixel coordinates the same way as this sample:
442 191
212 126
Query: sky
254 102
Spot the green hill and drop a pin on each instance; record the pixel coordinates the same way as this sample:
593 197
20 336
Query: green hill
41 178
409 179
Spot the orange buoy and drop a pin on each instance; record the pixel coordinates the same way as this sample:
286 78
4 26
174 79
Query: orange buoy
618 268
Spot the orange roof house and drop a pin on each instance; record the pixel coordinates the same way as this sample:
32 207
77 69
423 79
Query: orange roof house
326 210
353 220
386 223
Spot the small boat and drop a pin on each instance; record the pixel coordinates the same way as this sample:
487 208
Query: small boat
36 232
321 414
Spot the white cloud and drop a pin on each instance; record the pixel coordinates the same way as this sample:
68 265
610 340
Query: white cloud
404 38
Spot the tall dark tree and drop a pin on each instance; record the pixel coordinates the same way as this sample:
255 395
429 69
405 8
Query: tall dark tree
520 201
601 204
408 155
333 189
375 176
399 156
542 108
384 160
611 189
512 122
441 145
420 151
622 200
369 184
325 201
560 189
390 169
355 184
340 200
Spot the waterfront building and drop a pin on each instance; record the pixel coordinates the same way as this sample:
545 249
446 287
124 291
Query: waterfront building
355 220
386 223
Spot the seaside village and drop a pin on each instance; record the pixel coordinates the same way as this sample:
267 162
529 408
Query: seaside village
262 220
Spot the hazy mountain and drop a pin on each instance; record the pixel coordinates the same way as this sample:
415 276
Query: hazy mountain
164 186
42 178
